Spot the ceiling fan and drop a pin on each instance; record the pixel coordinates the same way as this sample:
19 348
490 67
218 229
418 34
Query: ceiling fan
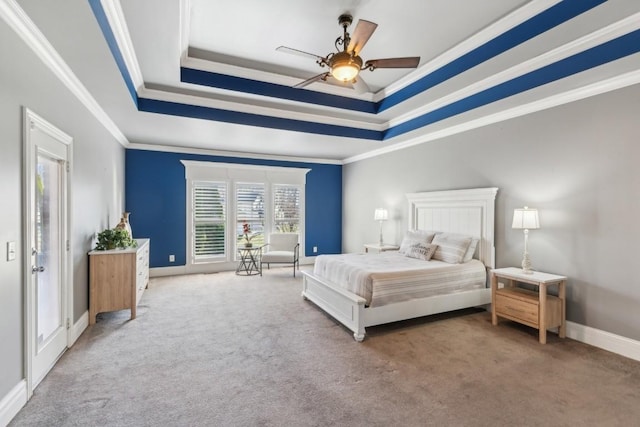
346 64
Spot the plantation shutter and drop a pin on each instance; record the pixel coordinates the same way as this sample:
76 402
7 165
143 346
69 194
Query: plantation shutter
286 207
250 210
209 219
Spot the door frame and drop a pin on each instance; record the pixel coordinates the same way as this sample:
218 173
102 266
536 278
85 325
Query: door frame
33 121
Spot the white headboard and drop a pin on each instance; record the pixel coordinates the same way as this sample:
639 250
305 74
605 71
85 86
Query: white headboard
468 212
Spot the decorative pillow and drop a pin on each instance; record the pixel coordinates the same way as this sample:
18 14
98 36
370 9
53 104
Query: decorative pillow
423 251
415 236
451 247
468 256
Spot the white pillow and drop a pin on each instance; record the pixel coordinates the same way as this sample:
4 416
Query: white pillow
471 250
451 247
422 251
415 236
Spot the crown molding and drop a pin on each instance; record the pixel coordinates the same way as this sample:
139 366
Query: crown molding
238 154
25 28
115 16
185 28
608 85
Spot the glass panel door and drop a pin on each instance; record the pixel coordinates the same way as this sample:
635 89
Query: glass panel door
48 245
47 153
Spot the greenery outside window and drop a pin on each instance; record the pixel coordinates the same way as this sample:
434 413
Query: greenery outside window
286 208
209 220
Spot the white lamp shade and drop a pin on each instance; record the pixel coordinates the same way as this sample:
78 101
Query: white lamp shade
525 219
381 214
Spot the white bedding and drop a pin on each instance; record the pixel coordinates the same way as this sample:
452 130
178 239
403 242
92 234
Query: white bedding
390 277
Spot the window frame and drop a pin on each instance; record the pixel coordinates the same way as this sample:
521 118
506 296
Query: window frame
195 259
273 226
234 174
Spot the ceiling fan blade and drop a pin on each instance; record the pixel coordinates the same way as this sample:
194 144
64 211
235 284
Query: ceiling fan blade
313 79
300 53
360 86
408 62
361 35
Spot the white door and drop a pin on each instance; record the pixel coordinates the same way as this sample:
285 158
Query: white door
47 152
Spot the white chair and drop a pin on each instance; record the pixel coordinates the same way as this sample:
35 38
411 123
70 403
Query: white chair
283 248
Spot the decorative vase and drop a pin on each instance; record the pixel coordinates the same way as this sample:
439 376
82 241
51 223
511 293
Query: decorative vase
124 223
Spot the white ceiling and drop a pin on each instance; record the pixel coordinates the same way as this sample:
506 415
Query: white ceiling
157 37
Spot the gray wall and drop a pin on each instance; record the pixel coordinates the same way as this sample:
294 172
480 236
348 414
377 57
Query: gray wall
97 185
578 164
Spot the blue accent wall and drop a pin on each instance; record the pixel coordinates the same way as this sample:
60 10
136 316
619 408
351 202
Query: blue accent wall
156 196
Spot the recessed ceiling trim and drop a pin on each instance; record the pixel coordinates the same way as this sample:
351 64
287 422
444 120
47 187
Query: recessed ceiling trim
617 48
534 26
24 27
257 87
604 86
517 17
114 46
500 86
185 28
117 23
201 64
487 44
250 119
181 98
581 44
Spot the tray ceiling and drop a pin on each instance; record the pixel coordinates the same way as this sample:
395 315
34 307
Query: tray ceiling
206 75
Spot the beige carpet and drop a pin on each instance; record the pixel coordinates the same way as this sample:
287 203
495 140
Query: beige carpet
223 350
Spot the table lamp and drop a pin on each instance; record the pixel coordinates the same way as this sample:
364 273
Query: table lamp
526 219
381 215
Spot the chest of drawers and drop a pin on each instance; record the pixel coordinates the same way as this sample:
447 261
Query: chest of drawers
117 279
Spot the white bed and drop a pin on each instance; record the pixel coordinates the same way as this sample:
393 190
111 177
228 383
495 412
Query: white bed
469 212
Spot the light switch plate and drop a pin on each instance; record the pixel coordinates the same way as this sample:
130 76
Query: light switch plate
11 251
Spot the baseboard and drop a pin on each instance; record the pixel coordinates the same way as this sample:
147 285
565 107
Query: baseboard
11 404
78 328
623 346
167 271
179 270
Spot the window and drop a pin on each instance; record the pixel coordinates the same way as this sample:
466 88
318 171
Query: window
222 197
209 220
250 209
286 208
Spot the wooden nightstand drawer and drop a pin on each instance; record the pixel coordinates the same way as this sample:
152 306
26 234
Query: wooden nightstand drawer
536 309
518 304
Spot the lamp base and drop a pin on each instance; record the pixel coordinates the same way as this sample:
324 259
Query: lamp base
526 264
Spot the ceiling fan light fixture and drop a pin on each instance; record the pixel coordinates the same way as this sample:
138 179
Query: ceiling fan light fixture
345 73
345 67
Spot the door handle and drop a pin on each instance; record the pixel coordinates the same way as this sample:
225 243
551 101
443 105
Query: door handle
35 269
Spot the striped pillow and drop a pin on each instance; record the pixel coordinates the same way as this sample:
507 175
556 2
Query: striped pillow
471 250
451 247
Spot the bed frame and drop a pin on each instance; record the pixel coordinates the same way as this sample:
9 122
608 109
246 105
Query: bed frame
468 212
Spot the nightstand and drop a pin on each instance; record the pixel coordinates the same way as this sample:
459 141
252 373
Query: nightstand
535 309
377 247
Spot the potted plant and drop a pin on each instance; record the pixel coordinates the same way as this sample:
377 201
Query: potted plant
247 235
114 238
